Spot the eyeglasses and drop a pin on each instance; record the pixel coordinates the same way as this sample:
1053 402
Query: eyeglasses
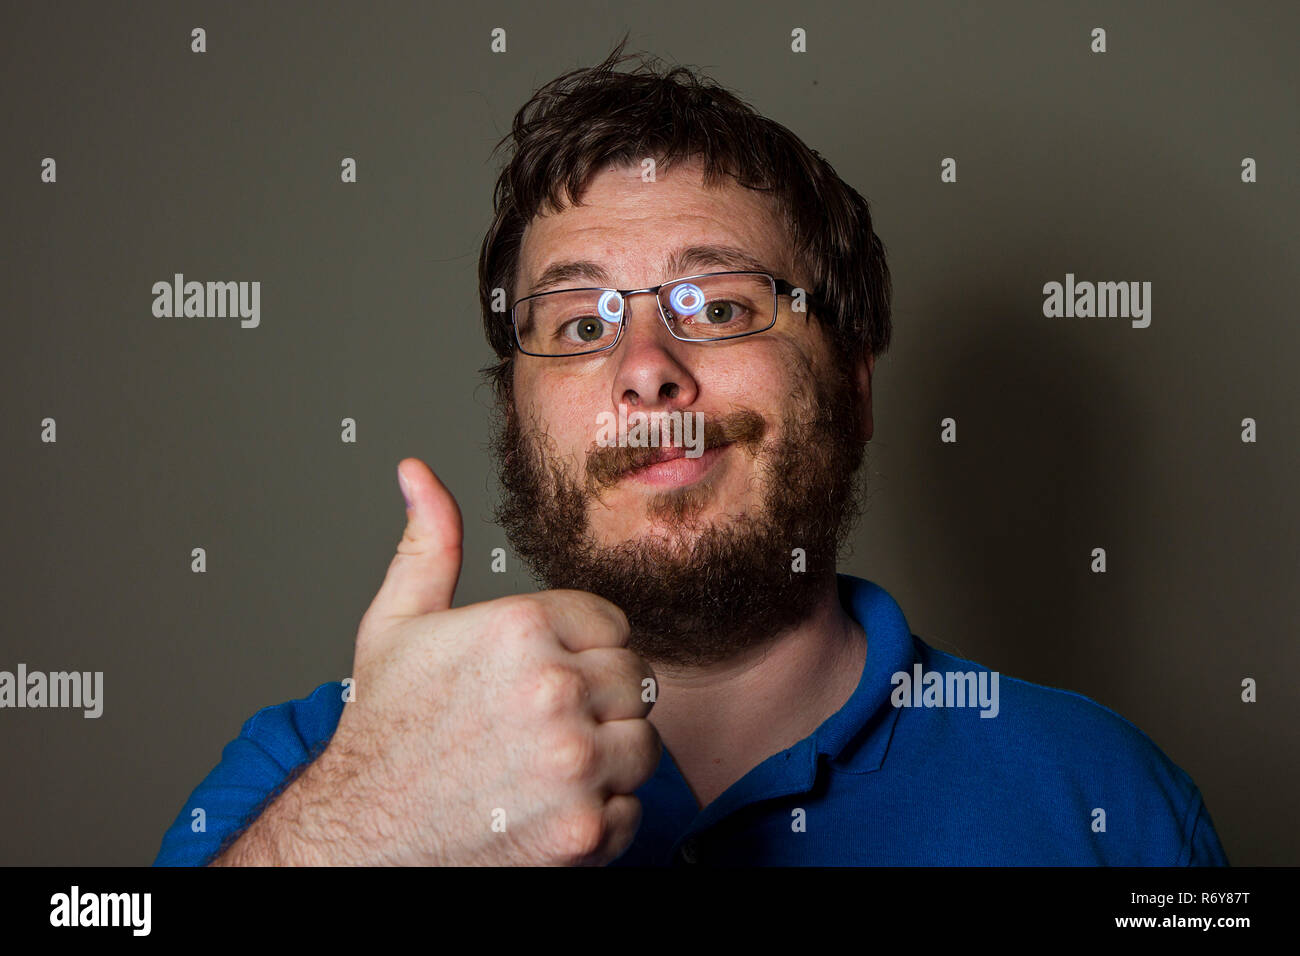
712 307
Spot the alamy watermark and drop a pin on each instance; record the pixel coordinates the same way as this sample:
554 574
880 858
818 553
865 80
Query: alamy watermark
946 689
210 300
76 908
76 689
1122 300
676 429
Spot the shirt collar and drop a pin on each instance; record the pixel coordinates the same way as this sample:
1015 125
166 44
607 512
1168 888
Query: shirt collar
856 737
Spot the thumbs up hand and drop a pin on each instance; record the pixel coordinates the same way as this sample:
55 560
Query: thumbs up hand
507 732
422 576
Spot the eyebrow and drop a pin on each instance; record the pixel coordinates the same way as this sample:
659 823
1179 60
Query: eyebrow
676 265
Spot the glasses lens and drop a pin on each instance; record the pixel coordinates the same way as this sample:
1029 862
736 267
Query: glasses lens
715 307
706 307
563 323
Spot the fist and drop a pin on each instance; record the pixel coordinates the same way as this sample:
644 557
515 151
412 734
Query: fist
513 731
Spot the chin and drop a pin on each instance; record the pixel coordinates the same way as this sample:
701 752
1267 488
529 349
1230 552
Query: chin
673 535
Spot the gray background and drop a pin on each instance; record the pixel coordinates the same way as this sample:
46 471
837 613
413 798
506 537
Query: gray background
1073 433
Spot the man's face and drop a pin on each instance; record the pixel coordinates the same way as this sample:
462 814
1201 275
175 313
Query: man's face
700 543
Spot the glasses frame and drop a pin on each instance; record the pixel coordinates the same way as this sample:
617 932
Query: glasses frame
780 287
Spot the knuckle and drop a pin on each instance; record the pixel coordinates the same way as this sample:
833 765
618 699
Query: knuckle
581 834
574 757
595 606
559 690
519 617
410 543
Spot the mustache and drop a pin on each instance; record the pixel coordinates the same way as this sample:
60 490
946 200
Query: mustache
607 465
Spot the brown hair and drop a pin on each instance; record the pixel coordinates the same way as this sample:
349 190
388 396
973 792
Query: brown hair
587 119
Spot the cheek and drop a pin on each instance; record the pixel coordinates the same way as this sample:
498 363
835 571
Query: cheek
769 376
561 406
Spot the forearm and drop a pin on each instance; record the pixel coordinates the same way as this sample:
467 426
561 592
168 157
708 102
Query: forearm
297 828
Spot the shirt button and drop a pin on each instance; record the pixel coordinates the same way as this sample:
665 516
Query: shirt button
690 851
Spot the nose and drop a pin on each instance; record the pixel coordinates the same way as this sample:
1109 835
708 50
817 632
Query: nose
652 372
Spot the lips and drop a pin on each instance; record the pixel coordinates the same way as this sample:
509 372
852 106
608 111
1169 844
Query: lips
657 471
667 453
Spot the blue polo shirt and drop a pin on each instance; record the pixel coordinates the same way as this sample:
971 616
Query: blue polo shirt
950 764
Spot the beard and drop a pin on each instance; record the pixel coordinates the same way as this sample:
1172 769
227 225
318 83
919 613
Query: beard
697 592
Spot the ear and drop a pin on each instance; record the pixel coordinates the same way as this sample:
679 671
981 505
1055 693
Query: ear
863 370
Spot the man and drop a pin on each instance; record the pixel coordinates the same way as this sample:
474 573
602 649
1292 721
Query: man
696 684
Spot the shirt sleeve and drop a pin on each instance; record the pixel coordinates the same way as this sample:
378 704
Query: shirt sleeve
1203 846
272 745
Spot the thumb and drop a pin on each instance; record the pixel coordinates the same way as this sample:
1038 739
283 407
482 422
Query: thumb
423 574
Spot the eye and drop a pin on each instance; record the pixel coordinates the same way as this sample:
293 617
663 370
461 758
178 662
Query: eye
717 312
586 328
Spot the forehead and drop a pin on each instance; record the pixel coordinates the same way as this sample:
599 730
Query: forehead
629 233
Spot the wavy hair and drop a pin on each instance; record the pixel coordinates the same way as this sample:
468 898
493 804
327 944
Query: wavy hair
588 119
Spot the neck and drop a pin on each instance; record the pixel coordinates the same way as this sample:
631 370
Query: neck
722 720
